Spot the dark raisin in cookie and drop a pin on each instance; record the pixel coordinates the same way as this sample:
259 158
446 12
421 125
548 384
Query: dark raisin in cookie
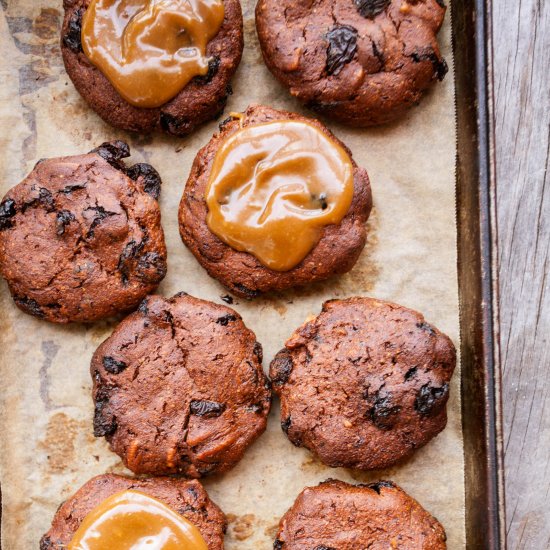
179 388
336 252
187 498
80 237
202 99
339 516
361 62
364 384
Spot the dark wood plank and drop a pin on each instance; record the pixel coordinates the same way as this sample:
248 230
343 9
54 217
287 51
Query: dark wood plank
521 46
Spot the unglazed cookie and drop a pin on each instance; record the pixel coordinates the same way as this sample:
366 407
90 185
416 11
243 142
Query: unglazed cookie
364 384
179 388
361 62
187 498
81 238
339 516
338 245
201 99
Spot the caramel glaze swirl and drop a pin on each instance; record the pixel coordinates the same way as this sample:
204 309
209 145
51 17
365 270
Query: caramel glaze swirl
273 187
132 520
150 49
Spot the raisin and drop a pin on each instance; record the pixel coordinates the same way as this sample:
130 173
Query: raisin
246 291
151 267
151 181
45 199
411 373
143 307
208 409
258 351
73 37
371 8
113 152
213 67
29 305
278 544
7 211
113 366
382 412
226 319
342 45
130 252
282 367
426 328
227 299
63 218
46 543
285 425
378 485
430 400
100 215
439 64
104 423
174 125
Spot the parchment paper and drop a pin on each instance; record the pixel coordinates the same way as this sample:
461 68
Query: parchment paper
47 446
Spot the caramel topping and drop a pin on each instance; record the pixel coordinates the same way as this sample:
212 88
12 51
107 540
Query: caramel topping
273 187
131 520
150 49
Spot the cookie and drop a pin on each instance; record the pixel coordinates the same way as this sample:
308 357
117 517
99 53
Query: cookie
339 516
179 388
364 384
81 238
360 62
338 247
200 100
187 498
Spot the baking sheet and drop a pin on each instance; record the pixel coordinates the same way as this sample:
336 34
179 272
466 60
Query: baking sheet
47 446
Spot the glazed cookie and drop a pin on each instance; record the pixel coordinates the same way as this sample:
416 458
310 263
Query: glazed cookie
188 499
364 384
133 87
361 62
80 237
179 388
274 201
339 516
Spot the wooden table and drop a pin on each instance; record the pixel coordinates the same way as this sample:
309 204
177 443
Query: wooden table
521 47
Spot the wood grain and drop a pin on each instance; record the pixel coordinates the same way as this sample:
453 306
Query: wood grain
521 44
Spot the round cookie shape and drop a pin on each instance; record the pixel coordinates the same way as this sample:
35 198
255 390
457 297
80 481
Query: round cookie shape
364 384
187 498
201 100
81 237
179 388
339 516
360 62
243 274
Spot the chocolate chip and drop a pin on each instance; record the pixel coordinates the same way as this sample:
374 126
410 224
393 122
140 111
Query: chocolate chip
46 543
104 423
226 319
73 37
342 45
113 366
113 152
227 299
143 307
131 250
322 547
430 400
151 267
439 64
278 544
441 3
100 215
246 291
426 327
7 211
282 367
67 190
63 218
371 8
208 409
150 178
411 373
258 351
285 424
382 412
213 67
174 125
29 305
